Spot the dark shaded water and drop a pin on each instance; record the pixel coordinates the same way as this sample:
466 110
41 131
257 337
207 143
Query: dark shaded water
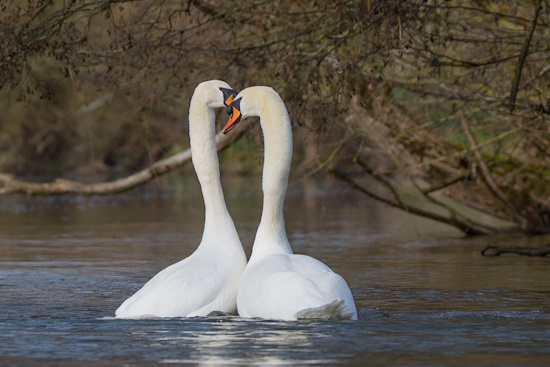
425 296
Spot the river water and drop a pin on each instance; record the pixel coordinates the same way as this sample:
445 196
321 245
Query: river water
424 294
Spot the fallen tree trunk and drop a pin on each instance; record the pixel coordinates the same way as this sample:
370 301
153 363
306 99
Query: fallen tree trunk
478 188
10 185
437 207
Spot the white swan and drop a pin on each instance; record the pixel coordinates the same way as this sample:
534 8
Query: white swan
276 283
207 280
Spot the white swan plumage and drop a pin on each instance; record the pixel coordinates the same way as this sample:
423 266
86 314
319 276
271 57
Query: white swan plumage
276 283
207 280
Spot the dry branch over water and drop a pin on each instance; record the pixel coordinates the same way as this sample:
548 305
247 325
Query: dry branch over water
492 250
10 185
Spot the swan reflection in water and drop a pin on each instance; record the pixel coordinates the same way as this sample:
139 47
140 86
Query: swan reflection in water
234 341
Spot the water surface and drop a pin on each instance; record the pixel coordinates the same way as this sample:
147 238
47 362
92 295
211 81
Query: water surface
425 295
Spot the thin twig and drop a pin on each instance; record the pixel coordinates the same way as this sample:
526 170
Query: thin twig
523 53
445 184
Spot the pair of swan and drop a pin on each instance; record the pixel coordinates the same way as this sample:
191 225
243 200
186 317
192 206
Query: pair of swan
276 284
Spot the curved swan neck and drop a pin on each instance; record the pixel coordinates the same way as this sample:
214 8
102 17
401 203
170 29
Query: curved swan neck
275 122
205 161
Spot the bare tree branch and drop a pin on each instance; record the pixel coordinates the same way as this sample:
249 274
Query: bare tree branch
492 250
523 53
62 186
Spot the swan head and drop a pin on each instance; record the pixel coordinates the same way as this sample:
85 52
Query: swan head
216 93
249 102
228 96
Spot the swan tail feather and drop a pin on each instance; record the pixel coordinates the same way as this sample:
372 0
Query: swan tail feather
336 310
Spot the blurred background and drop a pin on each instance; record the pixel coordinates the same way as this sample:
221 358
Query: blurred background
440 108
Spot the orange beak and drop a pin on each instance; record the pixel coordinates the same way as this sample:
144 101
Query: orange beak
229 100
234 119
